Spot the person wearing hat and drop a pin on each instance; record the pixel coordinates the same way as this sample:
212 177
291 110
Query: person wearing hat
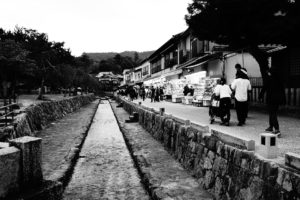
241 85
241 71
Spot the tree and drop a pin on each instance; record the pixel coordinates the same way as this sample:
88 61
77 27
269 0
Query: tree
83 62
246 24
14 64
136 58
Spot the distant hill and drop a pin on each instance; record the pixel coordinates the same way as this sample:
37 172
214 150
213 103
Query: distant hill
104 56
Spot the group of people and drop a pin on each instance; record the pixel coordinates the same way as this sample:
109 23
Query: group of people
156 94
239 88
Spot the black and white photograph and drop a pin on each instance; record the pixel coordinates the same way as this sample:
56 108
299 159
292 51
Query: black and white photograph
150 100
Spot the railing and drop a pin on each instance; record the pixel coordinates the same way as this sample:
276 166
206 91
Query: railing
292 96
7 114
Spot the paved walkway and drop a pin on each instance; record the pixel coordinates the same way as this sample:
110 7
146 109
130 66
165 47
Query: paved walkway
256 123
105 169
61 139
165 177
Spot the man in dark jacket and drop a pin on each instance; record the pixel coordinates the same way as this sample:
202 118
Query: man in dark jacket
186 90
152 93
275 96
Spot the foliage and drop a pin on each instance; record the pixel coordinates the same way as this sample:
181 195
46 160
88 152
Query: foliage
97 57
28 58
246 23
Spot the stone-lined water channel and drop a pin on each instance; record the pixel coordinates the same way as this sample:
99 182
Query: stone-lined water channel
105 169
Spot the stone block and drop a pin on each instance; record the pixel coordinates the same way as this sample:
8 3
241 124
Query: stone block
255 166
141 118
210 143
268 146
220 166
234 141
9 171
4 145
31 159
168 132
292 160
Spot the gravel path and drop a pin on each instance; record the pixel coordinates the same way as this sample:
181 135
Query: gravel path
105 169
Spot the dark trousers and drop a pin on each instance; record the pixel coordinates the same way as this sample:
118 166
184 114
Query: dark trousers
241 110
225 104
273 121
152 98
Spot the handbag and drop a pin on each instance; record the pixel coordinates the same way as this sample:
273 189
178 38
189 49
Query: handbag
215 103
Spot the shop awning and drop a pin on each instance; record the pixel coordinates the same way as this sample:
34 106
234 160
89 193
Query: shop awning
204 59
151 77
172 73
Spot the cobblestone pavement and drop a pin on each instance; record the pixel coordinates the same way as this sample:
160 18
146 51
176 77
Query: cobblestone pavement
256 123
165 177
105 169
61 139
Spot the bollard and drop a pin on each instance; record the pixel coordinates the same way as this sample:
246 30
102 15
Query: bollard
268 145
9 171
161 111
31 163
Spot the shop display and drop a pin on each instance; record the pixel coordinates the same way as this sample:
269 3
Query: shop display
175 87
187 100
210 84
176 99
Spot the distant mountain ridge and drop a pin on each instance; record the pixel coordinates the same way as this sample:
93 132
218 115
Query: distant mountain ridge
106 55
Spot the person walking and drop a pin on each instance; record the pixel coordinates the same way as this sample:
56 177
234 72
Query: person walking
275 96
192 91
241 85
224 92
152 90
239 70
143 93
157 94
214 108
161 93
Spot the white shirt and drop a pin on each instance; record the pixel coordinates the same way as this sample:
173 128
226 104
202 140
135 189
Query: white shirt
241 87
223 91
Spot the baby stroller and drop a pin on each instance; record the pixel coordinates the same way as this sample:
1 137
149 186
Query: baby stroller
214 108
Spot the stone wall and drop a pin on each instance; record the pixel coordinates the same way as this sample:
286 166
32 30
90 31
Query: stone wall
21 171
224 170
35 117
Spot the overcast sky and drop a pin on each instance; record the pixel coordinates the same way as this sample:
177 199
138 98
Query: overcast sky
99 25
